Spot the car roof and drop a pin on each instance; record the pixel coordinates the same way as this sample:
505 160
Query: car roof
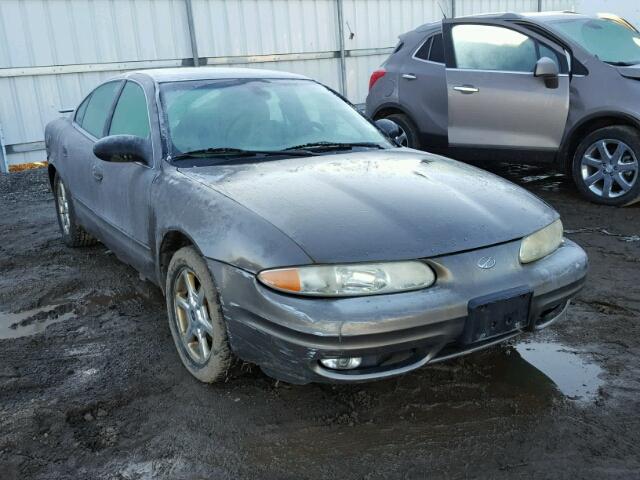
161 75
542 17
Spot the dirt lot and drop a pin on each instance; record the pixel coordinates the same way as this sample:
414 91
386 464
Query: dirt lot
91 386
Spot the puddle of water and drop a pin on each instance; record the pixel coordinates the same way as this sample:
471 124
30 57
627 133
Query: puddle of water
577 378
30 322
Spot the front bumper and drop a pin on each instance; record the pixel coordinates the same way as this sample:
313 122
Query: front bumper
288 335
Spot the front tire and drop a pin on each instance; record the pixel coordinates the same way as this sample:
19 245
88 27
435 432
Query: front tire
605 166
195 317
73 235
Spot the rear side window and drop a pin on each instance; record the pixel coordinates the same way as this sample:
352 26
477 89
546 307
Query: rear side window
489 47
423 51
436 53
97 111
81 109
130 115
431 50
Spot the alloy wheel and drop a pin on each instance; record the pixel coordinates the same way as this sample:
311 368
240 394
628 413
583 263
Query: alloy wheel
192 316
63 208
609 168
402 138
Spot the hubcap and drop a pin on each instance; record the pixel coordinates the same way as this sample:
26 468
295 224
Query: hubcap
63 208
609 168
192 316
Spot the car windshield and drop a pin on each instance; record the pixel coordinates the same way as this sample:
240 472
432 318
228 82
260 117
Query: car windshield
233 116
610 41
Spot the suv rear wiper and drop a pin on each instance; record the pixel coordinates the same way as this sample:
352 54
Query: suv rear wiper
327 146
237 152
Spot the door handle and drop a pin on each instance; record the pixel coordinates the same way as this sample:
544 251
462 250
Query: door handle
466 89
409 76
97 174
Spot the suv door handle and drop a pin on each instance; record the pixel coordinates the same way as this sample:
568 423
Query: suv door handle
466 89
409 76
97 174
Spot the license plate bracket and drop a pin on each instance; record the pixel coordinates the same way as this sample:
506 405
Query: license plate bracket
497 314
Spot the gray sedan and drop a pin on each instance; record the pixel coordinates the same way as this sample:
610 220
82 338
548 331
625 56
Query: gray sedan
286 229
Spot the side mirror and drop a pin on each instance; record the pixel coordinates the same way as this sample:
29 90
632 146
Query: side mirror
123 148
393 131
548 70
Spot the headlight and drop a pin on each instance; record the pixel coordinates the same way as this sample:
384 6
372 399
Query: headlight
541 243
350 280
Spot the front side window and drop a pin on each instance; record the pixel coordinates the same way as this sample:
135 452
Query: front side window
488 47
130 115
611 42
97 111
259 114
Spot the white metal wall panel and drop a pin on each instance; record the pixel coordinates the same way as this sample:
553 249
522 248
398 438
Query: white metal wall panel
263 27
471 7
377 23
560 5
62 32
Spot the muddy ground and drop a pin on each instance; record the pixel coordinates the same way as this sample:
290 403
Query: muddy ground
91 386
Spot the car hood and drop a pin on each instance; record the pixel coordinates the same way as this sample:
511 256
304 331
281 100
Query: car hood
380 205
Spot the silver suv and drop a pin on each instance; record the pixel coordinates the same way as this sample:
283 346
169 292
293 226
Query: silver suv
555 87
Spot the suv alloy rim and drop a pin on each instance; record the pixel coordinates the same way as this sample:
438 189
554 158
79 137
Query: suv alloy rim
192 316
609 168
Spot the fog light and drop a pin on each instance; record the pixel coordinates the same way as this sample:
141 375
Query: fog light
344 363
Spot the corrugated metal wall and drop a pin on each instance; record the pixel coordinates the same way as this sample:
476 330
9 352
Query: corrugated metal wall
52 52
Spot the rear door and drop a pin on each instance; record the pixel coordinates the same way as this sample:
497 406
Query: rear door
422 88
88 126
494 100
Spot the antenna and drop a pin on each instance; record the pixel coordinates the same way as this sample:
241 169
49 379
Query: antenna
444 15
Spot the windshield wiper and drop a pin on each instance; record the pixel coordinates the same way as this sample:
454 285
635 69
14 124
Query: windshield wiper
237 152
328 146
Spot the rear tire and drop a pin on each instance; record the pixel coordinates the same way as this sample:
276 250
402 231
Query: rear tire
73 235
409 128
605 166
195 317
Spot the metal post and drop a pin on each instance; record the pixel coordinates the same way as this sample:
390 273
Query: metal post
343 60
192 34
4 163
539 5
453 8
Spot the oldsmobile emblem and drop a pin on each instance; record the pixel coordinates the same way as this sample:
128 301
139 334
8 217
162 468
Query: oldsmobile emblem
487 262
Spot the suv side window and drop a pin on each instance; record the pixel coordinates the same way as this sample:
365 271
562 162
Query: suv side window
431 50
423 52
489 47
130 116
98 108
436 52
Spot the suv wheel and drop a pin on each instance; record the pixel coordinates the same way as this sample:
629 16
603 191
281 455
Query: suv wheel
605 166
410 136
195 317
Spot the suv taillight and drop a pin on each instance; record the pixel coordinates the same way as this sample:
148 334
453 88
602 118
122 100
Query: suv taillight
375 76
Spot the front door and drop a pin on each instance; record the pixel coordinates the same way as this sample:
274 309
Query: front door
125 187
494 99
